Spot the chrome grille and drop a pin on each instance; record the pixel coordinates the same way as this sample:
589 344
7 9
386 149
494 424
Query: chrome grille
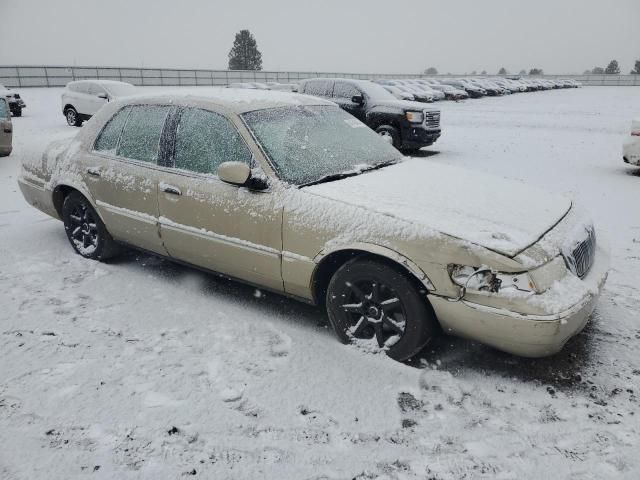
580 259
431 119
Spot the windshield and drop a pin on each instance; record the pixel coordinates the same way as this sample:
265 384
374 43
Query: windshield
376 92
308 143
120 89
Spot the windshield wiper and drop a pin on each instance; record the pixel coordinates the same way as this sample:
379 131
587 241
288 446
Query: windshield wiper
332 177
339 176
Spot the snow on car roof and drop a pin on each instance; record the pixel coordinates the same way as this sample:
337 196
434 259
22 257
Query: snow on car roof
239 100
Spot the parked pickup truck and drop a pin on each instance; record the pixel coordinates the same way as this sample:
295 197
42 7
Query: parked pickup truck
407 125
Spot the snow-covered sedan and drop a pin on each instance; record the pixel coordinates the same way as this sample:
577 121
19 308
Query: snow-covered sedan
292 194
631 147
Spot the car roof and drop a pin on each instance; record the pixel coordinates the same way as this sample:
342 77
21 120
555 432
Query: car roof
238 100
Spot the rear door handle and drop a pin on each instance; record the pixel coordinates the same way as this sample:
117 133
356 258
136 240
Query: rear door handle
93 171
171 189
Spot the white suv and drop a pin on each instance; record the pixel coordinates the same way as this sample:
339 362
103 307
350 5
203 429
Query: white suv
83 98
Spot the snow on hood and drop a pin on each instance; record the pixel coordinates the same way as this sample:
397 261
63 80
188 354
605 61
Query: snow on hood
503 215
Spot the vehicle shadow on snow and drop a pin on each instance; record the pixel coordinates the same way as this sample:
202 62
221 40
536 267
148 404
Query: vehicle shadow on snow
569 369
211 284
423 153
634 172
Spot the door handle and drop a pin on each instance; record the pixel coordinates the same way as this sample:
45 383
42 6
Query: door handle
171 189
93 171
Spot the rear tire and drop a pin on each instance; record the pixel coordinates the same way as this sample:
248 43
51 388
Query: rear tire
389 133
73 118
373 301
84 228
17 112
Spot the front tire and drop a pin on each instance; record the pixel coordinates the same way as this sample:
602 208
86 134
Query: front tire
84 228
73 119
389 133
373 301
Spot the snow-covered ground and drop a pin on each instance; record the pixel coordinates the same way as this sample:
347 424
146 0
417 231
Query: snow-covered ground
141 368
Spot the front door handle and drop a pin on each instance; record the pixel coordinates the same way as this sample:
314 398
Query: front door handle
93 171
171 189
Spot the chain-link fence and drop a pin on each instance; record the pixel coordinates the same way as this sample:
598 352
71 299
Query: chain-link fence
59 76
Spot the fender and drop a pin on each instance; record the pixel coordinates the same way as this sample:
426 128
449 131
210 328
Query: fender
383 252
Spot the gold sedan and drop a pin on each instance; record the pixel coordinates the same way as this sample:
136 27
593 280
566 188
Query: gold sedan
291 194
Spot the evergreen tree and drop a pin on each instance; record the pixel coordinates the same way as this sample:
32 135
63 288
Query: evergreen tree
536 71
244 55
431 71
636 70
502 71
613 68
597 70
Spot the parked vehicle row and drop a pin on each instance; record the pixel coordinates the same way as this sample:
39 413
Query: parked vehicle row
431 89
407 125
293 195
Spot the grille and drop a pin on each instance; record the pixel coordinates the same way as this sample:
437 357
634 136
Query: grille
431 119
581 257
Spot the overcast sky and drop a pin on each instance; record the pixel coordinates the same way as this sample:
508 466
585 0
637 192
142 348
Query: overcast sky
386 36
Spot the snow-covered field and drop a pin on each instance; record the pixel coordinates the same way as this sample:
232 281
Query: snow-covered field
141 368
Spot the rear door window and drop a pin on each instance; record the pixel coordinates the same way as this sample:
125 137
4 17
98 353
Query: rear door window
206 139
140 139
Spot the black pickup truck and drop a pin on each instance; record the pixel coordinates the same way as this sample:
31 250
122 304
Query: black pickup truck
408 125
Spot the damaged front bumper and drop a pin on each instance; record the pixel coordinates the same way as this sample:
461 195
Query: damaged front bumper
526 334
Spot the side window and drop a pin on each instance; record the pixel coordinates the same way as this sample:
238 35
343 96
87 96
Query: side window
108 139
319 88
205 139
95 90
345 90
140 139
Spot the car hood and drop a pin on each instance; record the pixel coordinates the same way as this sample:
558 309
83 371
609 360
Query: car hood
502 215
403 104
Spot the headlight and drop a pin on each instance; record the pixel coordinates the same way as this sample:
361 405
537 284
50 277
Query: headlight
484 279
415 117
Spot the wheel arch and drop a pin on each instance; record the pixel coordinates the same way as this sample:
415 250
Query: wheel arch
62 191
329 261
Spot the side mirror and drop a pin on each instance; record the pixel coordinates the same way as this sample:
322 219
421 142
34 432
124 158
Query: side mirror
357 99
103 96
235 173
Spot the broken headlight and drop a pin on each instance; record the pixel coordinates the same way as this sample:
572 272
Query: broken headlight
485 279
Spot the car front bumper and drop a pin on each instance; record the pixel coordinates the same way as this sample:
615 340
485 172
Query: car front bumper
418 136
522 334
